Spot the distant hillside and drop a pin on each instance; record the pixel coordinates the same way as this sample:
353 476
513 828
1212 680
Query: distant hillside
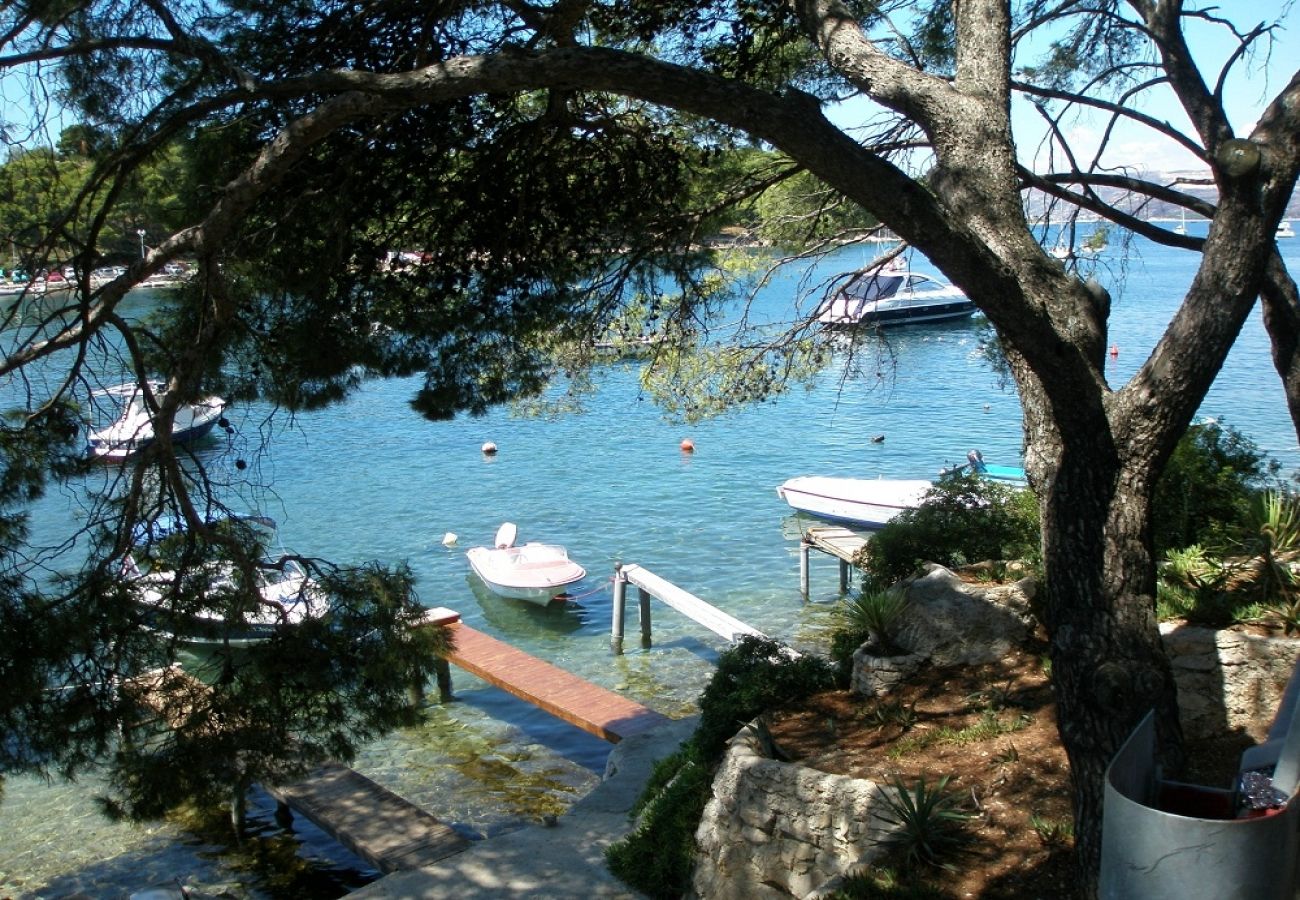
1186 181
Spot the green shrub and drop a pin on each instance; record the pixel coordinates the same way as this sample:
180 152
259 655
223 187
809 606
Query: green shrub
752 677
871 613
1205 494
656 858
963 519
929 825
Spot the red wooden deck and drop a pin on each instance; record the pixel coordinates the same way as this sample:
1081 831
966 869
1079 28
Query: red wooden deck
588 706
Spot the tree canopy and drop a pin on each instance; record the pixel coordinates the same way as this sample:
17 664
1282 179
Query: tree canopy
549 160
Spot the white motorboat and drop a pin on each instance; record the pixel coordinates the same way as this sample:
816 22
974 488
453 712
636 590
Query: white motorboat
133 430
861 501
894 296
533 571
285 595
1284 230
873 502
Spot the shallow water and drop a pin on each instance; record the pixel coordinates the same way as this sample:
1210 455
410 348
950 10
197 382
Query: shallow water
370 480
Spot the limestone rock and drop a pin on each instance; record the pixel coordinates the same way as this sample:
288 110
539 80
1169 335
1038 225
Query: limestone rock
951 622
776 830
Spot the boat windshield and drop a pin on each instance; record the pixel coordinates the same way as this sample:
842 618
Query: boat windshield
871 286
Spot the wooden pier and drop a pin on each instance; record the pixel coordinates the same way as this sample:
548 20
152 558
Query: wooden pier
387 831
651 585
588 706
841 543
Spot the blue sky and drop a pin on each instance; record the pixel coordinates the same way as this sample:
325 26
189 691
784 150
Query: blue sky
1254 82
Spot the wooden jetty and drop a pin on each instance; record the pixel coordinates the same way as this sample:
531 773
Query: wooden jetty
393 834
588 706
651 585
841 543
387 831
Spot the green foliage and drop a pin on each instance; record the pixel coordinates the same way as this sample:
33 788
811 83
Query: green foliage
880 883
1271 547
869 615
1252 577
1051 832
891 713
754 676
656 858
876 612
929 825
963 519
800 210
1206 490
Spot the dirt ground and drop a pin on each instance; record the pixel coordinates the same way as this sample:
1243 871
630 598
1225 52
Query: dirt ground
992 730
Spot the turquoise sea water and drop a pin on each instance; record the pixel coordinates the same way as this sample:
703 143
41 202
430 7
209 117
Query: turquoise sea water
368 479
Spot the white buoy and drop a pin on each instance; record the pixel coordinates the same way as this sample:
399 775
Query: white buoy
449 539
489 449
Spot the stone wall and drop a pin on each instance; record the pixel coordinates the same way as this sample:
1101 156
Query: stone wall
777 830
1228 679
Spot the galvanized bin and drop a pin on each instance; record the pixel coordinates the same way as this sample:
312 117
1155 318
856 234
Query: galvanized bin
1164 840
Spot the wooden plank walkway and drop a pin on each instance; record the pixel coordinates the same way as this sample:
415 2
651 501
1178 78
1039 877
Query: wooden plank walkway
841 543
592 708
387 831
684 602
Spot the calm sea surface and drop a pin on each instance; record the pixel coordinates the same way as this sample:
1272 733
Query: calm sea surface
370 480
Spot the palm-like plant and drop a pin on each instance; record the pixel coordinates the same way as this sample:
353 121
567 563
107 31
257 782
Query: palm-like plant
1272 550
929 826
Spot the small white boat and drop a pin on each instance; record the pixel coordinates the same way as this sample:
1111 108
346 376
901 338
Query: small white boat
133 430
284 596
894 296
861 501
873 502
533 571
1284 230
1181 227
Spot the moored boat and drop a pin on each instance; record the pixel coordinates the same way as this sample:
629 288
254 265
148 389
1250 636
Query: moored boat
894 296
211 603
133 430
873 502
1284 230
534 571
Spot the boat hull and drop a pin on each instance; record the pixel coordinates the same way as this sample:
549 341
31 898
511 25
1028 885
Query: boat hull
918 312
132 434
290 599
537 573
871 503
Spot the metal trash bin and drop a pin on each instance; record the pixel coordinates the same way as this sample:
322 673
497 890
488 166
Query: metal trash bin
1164 840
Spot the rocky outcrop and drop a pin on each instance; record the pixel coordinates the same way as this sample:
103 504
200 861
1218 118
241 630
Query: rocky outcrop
951 622
777 830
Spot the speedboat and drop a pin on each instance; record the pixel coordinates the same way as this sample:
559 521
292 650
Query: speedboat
1284 230
894 296
873 502
132 431
229 612
533 571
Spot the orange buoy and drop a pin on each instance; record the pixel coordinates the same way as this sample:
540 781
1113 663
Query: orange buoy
688 445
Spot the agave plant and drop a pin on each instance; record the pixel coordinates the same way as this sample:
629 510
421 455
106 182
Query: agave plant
929 826
1268 572
876 613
